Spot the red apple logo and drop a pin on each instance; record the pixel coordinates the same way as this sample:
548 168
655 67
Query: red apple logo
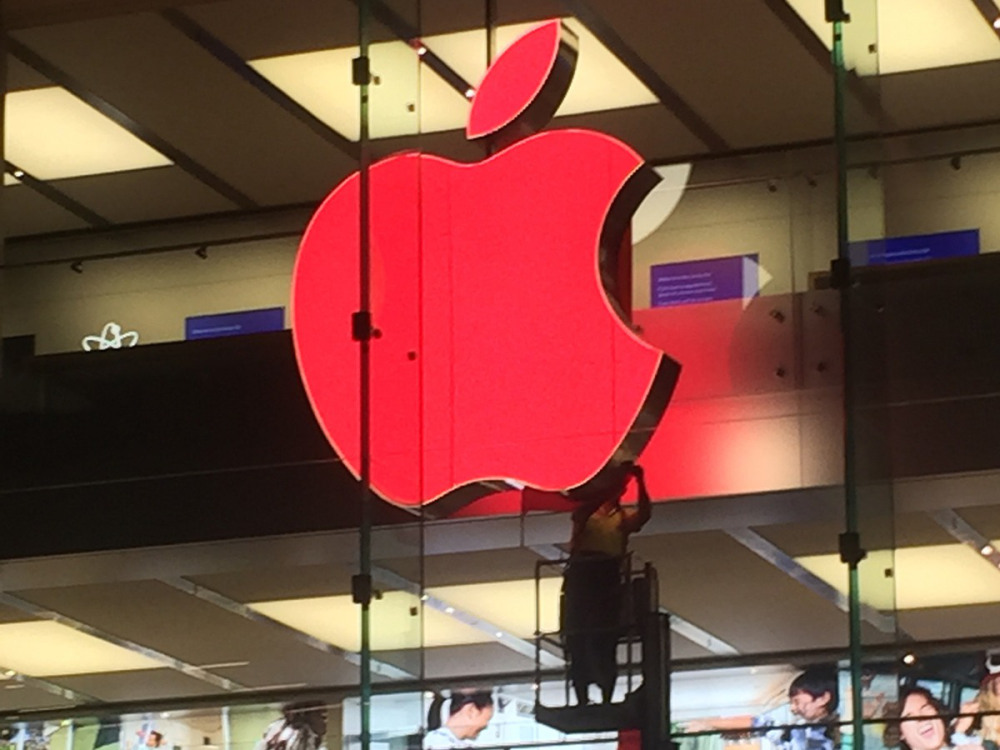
501 355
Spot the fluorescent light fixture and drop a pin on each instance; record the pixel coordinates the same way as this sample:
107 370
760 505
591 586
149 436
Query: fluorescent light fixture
601 80
932 34
915 35
53 135
408 99
45 649
941 575
411 98
334 619
510 605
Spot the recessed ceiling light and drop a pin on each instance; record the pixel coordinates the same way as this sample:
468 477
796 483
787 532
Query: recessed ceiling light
913 36
987 549
940 575
334 619
320 81
54 135
45 649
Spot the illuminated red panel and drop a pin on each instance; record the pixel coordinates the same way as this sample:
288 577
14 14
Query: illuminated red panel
499 355
515 80
729 431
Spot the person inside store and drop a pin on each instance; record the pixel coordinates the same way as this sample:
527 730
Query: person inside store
813 700
921 724
469 713
302 726
980 720
593 588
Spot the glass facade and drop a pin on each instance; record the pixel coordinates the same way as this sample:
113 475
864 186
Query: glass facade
301 398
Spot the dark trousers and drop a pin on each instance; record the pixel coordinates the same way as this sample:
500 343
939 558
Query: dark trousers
592 603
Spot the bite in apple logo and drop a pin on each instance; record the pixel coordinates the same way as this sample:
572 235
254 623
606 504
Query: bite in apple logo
501 354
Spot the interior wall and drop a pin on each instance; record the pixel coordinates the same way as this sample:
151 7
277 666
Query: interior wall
942 195
779 207
151 294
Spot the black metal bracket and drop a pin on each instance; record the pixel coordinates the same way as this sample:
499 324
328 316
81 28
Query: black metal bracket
835 11
851 552
361 325
361 73
840 273
361 589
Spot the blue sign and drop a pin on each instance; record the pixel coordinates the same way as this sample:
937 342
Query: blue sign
234 323
711 280
915 248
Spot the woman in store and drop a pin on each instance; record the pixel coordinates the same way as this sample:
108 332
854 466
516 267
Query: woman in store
469 712
985 727
922 724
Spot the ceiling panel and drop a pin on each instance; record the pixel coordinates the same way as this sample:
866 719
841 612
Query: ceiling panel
14 696
272 671
651 130
52 135
154 615
24 13
10 614
930 98
27 212
136 686
21 77
908 530
144 195
985 519
713 582
161 79
972 621
468 567
263 28
279 582
474 659
762 85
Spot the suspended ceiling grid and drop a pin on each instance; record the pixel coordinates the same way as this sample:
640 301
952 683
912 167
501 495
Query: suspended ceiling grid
722 75
200 646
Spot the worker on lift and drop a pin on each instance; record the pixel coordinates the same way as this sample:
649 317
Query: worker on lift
593 591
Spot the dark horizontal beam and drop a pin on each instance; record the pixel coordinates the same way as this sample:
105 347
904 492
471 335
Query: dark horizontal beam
799 29
990 14
143 133
668 96
57 196
225 55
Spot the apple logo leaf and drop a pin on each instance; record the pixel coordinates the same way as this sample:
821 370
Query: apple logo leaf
524 86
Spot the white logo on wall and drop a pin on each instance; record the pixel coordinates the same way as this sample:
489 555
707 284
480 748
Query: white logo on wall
111 337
